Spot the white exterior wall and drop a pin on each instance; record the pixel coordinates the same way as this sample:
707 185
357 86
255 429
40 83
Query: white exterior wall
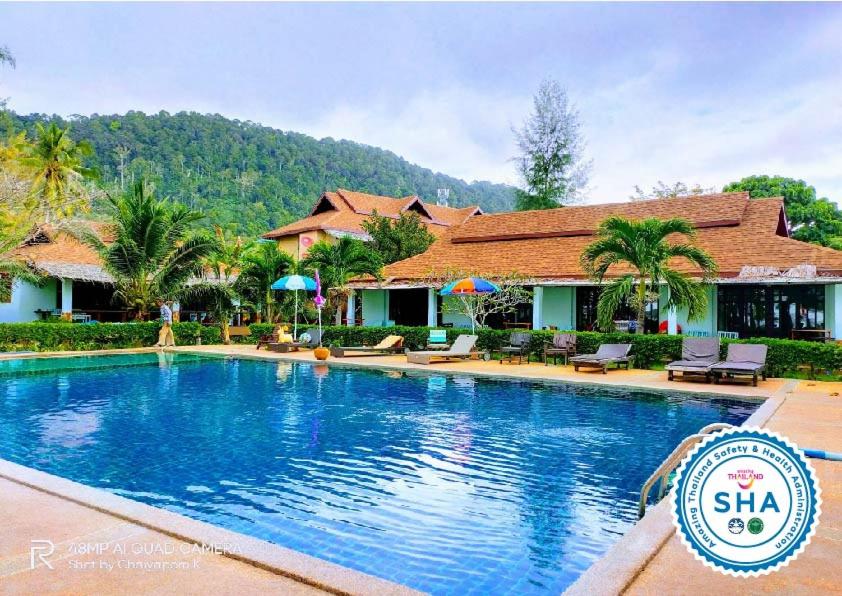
833 309
26 299
706 324
432 307
66 297
559 307
538 307
375 307
351 308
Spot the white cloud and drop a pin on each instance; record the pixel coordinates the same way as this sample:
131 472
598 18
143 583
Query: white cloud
639 129
794 132
456 131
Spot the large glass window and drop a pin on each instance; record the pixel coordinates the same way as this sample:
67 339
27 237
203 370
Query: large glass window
770 311
519 317
587 298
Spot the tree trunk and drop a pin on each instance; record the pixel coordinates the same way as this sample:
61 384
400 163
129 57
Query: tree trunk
641 307
226 334
269 307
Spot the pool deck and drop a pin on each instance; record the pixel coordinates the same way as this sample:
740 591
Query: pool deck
649 559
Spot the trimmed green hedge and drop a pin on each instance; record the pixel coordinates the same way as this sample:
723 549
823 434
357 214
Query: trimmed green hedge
47 337
648 350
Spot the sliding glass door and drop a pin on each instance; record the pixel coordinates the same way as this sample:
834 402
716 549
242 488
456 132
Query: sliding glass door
770 310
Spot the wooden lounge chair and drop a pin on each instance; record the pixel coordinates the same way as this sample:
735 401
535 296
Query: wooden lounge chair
392 344
315 340
462 348
606 354
698 354
742 360
518 346
269 338
563 344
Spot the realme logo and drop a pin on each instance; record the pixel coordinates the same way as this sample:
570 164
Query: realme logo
39 550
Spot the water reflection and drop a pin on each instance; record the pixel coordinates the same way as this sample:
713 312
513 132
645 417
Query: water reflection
444 483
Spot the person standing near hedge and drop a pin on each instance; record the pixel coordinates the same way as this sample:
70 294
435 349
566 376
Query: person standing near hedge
165 335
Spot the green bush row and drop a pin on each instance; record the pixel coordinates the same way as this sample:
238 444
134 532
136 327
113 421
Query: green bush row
47 337
784 355
648 350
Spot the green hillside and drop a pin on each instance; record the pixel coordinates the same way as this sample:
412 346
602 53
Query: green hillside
252 178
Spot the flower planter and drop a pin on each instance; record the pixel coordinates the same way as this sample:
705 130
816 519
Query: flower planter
321 353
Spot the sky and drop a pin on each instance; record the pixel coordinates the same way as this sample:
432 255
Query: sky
699 93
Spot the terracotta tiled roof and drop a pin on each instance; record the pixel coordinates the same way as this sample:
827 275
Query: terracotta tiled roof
345 210
707 211
58 246
57 253
546 245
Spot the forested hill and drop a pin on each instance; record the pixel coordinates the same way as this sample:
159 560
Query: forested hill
251 178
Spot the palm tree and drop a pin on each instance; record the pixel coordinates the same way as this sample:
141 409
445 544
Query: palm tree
217 289
154 253
57 171
11 268
341 261
642 246
262 264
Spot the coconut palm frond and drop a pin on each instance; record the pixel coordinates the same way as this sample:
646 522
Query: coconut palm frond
647 247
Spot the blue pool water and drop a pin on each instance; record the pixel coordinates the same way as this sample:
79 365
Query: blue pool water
447 484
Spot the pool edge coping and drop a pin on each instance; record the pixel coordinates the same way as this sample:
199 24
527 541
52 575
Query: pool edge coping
615 571
682 387
306 569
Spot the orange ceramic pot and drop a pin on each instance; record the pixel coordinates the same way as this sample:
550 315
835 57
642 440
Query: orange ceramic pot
321 353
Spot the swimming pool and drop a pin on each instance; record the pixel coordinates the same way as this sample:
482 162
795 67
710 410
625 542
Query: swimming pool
448 484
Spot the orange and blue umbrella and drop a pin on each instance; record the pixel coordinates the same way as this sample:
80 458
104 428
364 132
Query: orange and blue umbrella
469 286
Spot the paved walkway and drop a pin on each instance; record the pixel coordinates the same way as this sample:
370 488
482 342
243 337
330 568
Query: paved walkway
27 514
810 417
645 379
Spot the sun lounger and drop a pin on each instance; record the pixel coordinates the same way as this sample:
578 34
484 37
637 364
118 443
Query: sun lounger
392 344
315 340
617 354
743 360
462 348
698 354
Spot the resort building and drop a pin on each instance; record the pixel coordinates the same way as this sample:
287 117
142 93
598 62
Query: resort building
768 284
76 287
342 213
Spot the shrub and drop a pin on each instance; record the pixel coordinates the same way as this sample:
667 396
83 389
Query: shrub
647 350
783 358
44 337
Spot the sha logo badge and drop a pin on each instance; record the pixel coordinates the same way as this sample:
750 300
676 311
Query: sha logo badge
746 502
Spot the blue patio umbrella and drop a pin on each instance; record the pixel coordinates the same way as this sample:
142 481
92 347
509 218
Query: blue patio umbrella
295 283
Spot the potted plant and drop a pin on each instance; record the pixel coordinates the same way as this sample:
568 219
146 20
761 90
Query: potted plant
321 353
